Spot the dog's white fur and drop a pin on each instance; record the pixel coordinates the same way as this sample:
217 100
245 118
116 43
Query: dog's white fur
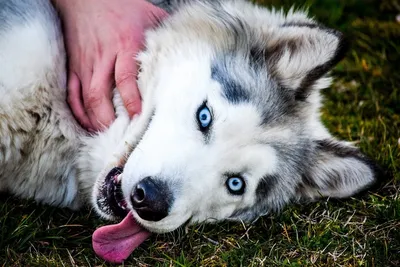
45 155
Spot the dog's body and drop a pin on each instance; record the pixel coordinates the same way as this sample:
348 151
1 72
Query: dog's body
39 138
230 127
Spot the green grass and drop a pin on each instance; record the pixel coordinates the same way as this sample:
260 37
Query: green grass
363 106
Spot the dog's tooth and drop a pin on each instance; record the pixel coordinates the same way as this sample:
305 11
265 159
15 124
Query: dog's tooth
122 205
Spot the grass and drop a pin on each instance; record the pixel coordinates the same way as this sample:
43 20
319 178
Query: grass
362 106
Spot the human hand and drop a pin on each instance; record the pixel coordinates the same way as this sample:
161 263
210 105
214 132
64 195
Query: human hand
102 39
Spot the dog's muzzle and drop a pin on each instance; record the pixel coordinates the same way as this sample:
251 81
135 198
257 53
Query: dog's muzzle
152 199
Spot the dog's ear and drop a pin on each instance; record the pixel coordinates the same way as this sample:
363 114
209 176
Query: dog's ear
338 170
299 55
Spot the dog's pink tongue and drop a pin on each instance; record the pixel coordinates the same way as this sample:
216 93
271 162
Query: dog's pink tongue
114 243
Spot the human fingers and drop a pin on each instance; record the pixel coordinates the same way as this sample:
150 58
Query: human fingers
125 79
75 101
97 95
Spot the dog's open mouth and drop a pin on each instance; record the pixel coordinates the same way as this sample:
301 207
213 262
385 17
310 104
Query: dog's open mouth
116 242
111 199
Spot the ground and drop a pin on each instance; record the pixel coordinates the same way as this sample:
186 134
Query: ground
362 106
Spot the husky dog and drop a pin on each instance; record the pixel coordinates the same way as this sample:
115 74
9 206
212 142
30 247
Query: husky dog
230 127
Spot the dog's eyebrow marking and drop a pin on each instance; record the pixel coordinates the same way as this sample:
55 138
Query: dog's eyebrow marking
237 87
231 89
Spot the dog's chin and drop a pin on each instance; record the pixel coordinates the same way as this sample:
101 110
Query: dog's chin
108 198
166 225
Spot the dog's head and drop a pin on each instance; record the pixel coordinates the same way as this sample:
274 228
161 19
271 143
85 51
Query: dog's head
235 129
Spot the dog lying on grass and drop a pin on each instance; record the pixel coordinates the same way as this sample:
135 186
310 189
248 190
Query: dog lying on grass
230 127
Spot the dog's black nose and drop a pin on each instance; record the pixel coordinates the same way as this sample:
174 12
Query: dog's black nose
151 198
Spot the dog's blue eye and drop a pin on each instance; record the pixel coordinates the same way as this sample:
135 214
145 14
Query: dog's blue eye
235 185
204 117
